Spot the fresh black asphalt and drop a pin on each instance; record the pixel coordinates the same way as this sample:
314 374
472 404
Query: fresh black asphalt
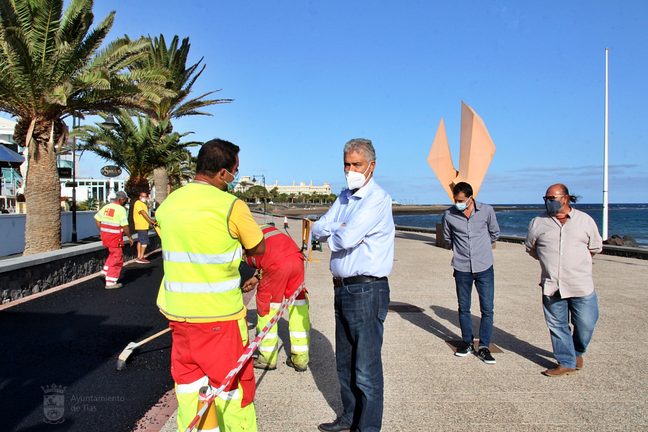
71 339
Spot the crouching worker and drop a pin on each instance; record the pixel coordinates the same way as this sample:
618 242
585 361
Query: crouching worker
281 273
202 248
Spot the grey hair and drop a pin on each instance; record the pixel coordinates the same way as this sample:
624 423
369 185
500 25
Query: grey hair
362 146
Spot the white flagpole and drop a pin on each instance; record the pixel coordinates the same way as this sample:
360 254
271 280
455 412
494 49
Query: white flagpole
605 158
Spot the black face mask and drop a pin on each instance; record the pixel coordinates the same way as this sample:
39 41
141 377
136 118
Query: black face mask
553 207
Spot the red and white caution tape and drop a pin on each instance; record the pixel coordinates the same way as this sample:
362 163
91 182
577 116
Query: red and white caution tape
246 355
249 350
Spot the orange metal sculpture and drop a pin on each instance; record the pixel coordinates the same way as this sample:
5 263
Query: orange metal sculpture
476 152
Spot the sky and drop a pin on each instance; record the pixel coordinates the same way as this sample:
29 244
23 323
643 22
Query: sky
307 76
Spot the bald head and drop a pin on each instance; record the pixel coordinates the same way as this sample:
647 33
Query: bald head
557 189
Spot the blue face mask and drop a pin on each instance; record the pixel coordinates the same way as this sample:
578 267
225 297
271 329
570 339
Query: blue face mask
231 185
553 207
461 206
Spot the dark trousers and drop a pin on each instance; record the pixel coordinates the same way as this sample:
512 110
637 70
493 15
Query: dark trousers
360 311
485 284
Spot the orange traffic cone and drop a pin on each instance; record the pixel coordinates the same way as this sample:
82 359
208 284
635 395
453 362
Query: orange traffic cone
209 421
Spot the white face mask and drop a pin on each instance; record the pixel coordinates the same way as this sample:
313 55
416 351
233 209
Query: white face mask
143 199
355 180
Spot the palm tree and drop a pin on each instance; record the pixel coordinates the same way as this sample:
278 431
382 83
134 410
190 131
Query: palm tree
181 80
51 68
255 192
138 148
242 195
181 170
273 193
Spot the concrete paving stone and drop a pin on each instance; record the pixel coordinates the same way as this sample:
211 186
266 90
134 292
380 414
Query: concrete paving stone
587 415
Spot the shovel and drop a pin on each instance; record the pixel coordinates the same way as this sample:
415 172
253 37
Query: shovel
121 360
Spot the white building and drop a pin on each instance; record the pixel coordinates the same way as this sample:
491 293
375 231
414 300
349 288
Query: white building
302 188
11 179
7 131
100 189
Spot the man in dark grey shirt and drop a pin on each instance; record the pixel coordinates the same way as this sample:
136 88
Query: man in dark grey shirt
470 228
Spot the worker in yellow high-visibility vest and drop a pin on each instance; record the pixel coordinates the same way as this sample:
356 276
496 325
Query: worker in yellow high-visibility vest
204 229
282 273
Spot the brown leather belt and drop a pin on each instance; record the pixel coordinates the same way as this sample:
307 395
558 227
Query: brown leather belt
338 282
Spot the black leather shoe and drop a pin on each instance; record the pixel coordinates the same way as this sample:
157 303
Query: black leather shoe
338 425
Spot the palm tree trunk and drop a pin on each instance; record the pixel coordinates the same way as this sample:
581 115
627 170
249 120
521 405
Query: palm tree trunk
43 200
161 180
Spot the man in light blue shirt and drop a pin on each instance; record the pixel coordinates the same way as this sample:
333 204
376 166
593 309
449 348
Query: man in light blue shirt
359 230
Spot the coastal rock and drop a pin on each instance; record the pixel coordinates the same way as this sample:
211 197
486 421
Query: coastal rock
615 240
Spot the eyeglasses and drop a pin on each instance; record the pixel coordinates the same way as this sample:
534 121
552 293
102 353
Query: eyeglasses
552 198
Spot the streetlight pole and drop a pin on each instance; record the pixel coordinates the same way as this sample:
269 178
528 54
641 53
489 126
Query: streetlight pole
74 203
605 154
110 124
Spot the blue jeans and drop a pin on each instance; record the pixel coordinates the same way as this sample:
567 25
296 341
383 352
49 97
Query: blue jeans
485 284
583 312
360 311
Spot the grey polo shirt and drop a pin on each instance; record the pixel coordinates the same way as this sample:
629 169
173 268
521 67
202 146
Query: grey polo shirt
471 238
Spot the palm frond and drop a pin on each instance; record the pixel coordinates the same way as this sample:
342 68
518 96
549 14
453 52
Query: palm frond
181 79
23 14
45 26
136 144
19 60
8 15
76 19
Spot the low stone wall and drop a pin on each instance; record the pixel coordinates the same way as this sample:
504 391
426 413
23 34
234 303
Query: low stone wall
24 276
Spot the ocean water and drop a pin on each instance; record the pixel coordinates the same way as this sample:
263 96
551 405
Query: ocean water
623 219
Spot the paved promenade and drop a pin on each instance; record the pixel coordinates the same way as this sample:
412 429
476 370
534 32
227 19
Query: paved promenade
427 388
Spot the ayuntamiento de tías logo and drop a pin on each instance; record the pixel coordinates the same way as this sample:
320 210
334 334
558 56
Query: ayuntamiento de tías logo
54 404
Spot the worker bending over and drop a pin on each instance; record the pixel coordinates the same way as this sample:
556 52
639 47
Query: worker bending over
281 273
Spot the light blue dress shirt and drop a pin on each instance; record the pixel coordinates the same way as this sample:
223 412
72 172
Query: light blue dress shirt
364 246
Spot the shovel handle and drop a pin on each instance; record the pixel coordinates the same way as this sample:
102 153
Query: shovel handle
160 333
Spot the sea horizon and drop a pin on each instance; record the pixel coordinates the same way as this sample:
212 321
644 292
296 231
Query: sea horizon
537 205
624 219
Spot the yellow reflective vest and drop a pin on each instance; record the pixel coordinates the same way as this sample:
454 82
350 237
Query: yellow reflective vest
201 259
